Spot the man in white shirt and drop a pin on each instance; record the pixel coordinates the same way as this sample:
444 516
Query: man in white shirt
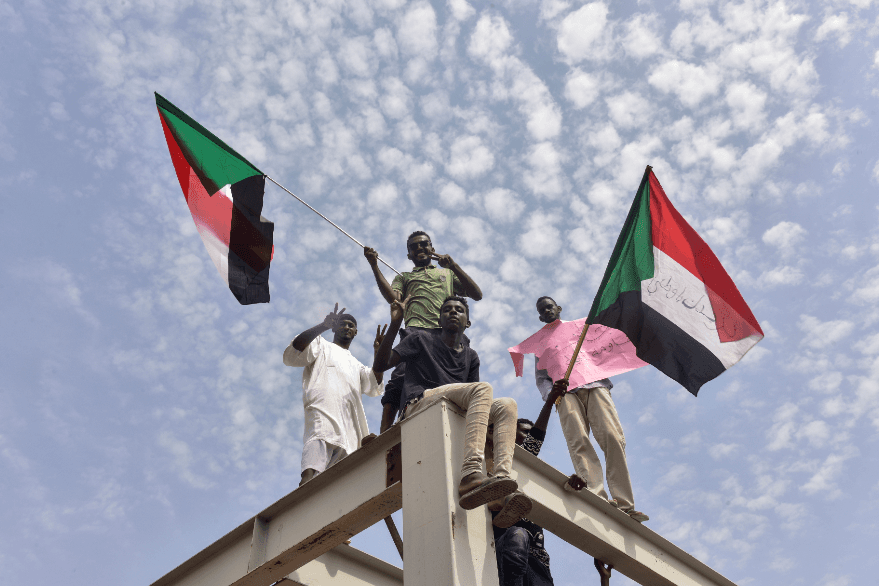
332 383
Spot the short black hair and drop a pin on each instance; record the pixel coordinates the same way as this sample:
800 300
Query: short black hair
539 299
459 299
347 316
418 233
525 420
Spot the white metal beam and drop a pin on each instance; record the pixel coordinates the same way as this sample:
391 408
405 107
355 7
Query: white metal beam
346 566
589 523
442 543
310 521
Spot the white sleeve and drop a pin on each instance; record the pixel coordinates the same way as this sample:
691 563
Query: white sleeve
293 357
368 384
544 382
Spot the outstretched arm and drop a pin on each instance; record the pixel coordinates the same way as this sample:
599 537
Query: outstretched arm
558 389
379 337
302 341
383 286
471 289
385 357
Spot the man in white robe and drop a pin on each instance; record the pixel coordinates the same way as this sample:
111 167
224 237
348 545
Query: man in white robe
332 384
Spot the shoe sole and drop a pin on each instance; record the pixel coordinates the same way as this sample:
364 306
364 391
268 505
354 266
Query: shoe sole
485 493
514 509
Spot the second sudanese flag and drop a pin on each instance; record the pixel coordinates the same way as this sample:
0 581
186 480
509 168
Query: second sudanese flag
667 291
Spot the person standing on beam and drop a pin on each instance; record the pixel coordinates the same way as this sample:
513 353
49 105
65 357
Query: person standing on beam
424 289
590 406
332 384
440 365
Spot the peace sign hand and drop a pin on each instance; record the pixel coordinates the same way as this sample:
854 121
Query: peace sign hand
379 336
332 318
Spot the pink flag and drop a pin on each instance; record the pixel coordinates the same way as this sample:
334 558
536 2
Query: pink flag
606 352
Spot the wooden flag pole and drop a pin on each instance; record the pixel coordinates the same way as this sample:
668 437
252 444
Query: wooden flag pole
574 358
328 220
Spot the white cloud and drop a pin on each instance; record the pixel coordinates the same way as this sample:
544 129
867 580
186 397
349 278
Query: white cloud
461 9
747 103
835 25
491 38
720 451
628 109
514 80
383 195
452 196
820 334
469 158
544 176
641 40
785 236
396 100
503 205
541 238
779 276
875 176
582 33
581 88
690 83
416 33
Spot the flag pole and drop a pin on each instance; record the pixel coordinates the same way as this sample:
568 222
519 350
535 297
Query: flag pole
328 220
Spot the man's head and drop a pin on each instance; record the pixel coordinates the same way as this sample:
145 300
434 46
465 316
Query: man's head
419 248
345 328
455 314
548 310
523 428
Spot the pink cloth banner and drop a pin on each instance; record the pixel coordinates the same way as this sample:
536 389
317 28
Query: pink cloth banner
606 352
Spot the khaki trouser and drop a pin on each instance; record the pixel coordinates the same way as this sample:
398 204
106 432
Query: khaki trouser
481 407
593 409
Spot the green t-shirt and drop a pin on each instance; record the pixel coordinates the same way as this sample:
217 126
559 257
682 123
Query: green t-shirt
427 288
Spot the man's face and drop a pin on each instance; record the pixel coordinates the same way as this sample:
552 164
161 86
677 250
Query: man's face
453 316
420 250
345 330
548 310
522 429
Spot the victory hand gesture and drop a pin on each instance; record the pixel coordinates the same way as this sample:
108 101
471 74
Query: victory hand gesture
379 336
332 319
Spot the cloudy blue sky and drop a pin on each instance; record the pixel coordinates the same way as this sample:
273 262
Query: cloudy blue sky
144 413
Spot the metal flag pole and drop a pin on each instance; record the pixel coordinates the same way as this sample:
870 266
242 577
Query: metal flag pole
328 220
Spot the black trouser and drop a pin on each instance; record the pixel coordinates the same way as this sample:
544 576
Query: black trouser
513 564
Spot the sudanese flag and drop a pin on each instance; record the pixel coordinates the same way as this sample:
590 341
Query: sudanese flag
224 192
665 289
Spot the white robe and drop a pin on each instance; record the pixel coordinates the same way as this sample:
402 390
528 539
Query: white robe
332 383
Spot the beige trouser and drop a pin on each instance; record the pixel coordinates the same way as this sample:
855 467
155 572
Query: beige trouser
593 408
481 407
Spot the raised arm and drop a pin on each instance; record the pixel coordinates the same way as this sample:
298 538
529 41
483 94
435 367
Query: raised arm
385 357
383 286
558 389
471 289
379 337
302 341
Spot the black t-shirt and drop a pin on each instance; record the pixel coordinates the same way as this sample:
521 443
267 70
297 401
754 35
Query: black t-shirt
431 364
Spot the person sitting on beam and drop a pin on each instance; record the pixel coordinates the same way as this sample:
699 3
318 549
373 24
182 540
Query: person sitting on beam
439 365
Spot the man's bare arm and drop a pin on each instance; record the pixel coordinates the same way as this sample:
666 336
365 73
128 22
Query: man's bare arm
385 357
471 289
558 389
389 413
383 286
379 337
302 341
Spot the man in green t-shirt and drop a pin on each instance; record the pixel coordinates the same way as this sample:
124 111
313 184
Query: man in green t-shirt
422 292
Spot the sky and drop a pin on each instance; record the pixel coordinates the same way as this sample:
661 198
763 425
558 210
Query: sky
144 413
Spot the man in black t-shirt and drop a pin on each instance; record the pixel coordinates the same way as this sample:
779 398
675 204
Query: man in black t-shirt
439 365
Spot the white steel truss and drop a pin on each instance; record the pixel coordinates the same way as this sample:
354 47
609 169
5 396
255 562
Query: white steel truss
300 539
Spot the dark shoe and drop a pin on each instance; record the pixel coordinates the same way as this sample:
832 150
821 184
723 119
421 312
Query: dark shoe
516 506
487 491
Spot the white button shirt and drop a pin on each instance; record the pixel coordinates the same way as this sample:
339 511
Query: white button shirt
332 383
